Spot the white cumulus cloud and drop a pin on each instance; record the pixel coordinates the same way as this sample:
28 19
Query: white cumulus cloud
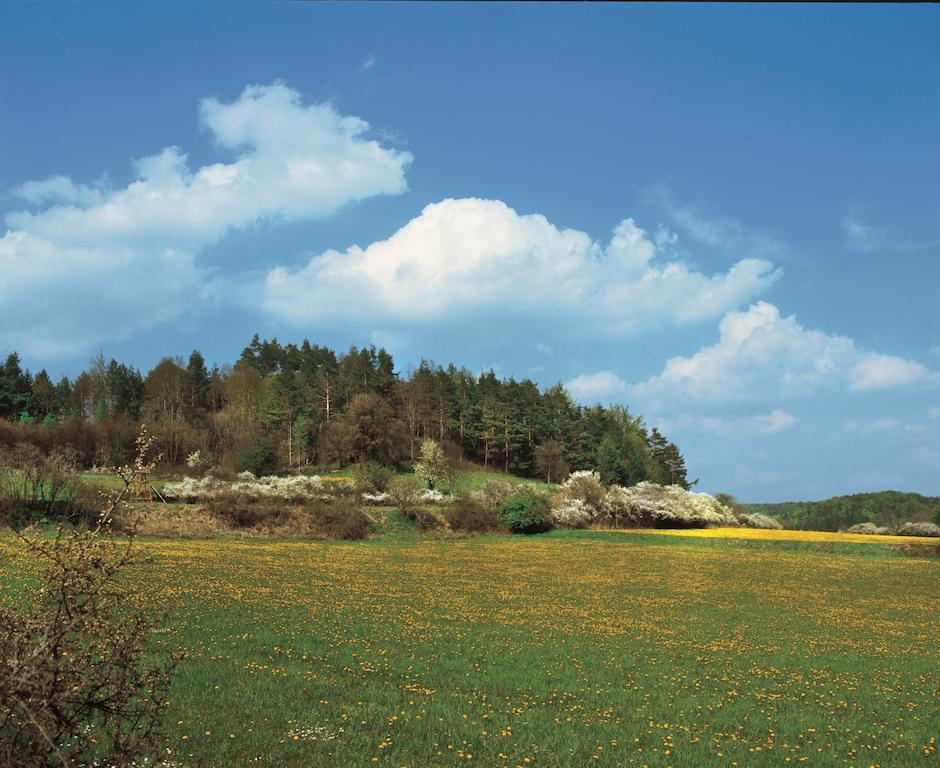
601 384
771 423
87 263
479 260
761 354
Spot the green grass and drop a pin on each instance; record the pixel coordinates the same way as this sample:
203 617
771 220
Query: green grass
572 649
468 479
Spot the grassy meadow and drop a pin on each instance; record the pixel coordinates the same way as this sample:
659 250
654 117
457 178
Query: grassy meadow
569 649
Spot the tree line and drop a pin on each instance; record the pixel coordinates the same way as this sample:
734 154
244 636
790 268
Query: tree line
882 508
284 407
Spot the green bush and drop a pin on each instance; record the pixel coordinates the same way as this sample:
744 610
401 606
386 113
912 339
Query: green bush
468 515
526 514
371 477
259 459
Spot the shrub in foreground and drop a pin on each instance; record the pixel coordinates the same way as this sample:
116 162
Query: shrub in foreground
529 513
81 680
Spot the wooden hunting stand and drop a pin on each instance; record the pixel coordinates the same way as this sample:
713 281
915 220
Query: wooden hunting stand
142 489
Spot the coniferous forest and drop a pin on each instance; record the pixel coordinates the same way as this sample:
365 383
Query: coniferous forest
284 407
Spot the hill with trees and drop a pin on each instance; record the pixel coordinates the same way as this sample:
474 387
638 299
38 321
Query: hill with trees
287 407
884 508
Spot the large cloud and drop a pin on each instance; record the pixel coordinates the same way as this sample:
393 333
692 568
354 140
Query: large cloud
97 263
479 260
761 354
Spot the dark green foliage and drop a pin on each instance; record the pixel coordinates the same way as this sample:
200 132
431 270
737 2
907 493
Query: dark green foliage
16 387
260 458
668 461
526 514
727 500
467 515
371 477
884 508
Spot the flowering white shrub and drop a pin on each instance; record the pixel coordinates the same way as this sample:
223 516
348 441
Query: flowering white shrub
581 500
666 506
246 484
868 528
299 487
571 513
917 529
433 467
421 496
757 520
194 488
620 507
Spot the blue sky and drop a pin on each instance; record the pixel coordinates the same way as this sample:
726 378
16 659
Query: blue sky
725 217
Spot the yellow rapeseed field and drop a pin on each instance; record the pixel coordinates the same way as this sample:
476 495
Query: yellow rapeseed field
769 535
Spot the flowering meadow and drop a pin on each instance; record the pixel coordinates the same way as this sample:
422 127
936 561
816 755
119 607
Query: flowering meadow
576 648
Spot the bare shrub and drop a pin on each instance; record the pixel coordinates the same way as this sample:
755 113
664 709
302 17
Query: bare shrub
341 518
404 495
469 515
33 483
173 521
495 492
81 682
242 511
338 517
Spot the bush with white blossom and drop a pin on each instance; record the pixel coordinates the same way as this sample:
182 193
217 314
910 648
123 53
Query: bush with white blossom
757 520
917 529
579 503
246 484
671 506
571 513
869 529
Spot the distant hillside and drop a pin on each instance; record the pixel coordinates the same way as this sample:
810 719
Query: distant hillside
885 508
